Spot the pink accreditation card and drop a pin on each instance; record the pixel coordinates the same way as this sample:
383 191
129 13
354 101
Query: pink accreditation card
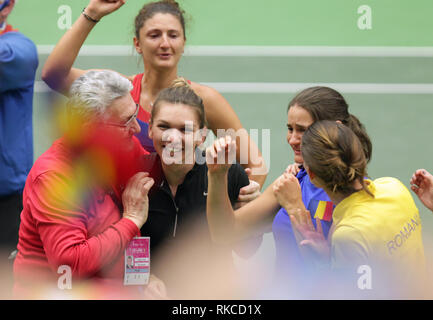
137 262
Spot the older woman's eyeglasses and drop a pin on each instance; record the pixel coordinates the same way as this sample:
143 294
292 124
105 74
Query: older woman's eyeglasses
128 124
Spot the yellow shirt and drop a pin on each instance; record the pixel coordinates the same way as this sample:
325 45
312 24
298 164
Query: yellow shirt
383 233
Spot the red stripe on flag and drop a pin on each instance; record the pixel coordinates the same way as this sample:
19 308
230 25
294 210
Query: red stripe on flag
327 215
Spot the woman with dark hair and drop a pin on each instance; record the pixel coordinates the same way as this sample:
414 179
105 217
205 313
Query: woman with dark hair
160 38
308 106
375 223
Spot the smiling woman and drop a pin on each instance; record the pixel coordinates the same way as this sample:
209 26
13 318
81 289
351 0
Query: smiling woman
177 208
177 124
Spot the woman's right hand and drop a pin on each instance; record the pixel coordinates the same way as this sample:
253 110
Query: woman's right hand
221 155
288 193
135 200
97 9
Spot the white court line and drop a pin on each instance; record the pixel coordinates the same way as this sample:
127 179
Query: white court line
292 87
94 50
261 51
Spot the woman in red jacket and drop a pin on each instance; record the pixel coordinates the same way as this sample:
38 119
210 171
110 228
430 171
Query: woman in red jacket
73 218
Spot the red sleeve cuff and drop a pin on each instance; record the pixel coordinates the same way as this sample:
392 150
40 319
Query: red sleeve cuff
128 228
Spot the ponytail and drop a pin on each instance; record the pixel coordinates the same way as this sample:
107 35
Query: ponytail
180 82
334 154
358 128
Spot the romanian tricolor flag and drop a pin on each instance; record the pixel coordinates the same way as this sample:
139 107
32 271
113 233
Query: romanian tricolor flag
322 209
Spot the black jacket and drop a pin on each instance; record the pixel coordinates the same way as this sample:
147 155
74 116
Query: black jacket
171 217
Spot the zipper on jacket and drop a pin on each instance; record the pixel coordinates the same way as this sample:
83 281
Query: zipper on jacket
175 223
177 210
175 218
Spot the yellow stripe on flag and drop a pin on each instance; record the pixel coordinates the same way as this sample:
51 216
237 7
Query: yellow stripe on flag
320 210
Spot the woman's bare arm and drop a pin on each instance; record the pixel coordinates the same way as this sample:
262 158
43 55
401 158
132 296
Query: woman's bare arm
225 224
220 115
58 72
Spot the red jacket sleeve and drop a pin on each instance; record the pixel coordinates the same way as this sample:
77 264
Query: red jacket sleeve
71 233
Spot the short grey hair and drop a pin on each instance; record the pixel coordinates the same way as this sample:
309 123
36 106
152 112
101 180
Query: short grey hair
92 93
